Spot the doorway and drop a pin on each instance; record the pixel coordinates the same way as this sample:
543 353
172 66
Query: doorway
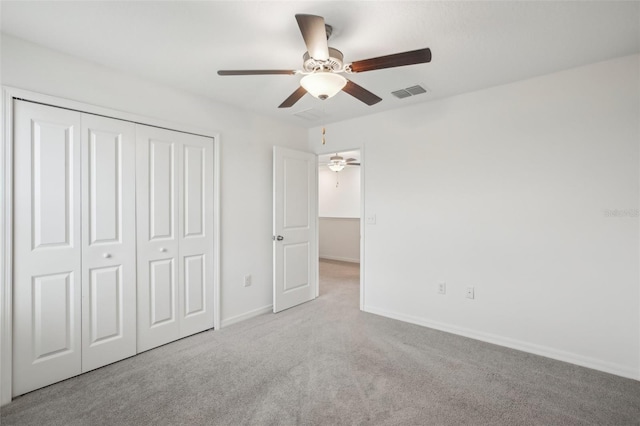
340 212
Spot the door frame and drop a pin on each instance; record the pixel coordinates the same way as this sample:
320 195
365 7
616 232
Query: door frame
362 217
6 209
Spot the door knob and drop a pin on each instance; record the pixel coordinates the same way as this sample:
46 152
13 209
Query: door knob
106 255
279 238
163 250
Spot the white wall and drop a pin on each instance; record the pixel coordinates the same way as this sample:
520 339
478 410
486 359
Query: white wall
343 200
339 211
339 239
510 190
246 154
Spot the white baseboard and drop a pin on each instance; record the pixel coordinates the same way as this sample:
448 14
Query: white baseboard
596 364
342 259
254 313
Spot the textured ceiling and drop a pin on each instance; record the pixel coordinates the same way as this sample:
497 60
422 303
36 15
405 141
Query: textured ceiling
475 45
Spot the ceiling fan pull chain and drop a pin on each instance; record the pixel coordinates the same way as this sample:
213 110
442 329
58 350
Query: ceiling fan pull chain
337 180
323 132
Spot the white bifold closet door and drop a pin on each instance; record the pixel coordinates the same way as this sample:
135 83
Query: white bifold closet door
47 247
108 241
74 244
175 241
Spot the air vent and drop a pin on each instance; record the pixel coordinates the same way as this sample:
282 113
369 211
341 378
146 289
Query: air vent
401 94
416 90
409 91
310 114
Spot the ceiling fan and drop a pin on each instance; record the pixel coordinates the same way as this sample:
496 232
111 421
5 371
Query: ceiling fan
337 162
323 65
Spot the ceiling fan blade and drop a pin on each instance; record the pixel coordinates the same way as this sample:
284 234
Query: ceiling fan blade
293 98
349 160
361 93
353 164
314 35
413 57
255 72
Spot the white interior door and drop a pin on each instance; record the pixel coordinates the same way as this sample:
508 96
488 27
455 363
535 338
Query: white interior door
175 235
47 246
295 195
108 241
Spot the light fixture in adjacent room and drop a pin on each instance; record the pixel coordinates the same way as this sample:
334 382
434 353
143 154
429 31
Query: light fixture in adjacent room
336 163
324 84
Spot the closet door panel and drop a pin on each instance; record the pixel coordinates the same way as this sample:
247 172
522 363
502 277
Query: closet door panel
196 239
109 245
158 160
47 247
162 197
194 285
162 292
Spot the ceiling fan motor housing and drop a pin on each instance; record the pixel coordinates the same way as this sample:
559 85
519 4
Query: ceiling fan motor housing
333 64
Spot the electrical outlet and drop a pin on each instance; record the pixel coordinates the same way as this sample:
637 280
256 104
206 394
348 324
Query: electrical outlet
442 287
247 280
470 293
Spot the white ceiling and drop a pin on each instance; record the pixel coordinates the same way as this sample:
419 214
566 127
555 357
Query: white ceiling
475 45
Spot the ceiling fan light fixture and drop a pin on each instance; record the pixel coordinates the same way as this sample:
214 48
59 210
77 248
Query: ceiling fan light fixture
323 85
336 166
336 163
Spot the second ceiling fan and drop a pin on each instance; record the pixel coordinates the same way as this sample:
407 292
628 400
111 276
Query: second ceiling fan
337 162
323 65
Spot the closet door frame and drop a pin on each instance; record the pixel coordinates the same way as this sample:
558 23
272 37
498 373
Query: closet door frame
6 210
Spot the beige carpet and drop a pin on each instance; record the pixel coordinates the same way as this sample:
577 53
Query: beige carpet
327 363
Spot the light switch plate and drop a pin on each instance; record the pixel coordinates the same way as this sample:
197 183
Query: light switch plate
470 293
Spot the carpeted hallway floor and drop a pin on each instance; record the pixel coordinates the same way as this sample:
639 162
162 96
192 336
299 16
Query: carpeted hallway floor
327 363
